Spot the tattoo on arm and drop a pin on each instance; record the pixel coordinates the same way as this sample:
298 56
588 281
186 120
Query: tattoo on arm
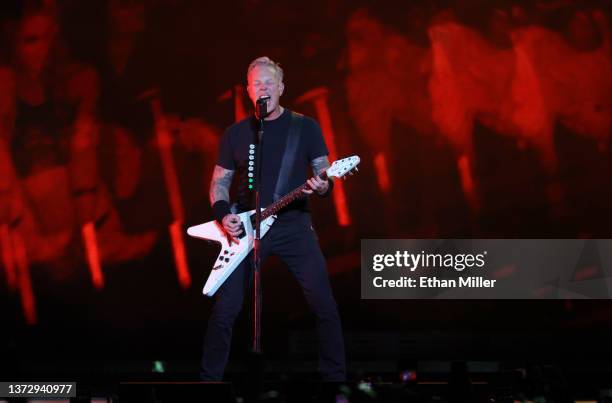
319 164
220 184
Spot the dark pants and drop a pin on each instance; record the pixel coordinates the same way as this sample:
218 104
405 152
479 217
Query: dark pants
295 242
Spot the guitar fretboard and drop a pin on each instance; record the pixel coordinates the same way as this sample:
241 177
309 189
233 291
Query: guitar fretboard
286 199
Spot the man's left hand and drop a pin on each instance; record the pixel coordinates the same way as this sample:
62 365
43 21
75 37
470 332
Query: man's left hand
315 184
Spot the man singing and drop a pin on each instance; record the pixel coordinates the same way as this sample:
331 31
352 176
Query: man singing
292 237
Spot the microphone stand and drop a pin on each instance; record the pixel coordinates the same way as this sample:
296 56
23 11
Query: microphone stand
256 346
256 370
261 109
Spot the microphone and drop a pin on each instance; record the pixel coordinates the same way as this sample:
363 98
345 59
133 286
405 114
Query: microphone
261 106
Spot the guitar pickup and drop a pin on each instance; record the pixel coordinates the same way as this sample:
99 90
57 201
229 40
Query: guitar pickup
243 233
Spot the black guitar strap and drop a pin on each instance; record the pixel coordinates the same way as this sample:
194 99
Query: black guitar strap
293 140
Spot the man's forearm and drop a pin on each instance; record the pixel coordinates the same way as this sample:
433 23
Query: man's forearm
319 164
220 184
219 192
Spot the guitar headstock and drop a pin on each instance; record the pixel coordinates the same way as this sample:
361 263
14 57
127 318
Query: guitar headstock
340 168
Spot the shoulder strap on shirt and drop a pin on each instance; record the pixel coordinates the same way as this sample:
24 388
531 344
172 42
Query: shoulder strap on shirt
293 139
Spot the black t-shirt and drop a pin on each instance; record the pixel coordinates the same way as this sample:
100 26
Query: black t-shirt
234 155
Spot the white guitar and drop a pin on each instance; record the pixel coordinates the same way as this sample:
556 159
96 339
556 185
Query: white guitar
234 250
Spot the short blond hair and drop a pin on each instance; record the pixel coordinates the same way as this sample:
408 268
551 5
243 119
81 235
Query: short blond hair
266 61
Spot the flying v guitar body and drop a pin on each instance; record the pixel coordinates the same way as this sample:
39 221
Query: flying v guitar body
233 250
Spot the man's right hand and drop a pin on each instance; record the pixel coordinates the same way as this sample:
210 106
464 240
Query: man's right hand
232 224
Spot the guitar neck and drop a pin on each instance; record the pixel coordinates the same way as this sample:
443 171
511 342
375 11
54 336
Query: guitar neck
288 198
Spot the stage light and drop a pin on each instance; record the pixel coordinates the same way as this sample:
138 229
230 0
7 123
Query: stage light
408 376
366 388
159 367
